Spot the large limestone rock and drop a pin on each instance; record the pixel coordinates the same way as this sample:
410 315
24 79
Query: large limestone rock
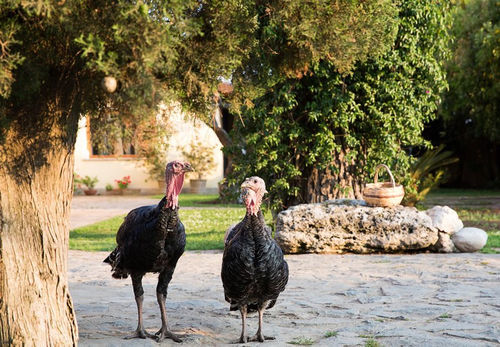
445 219
339 226
470 239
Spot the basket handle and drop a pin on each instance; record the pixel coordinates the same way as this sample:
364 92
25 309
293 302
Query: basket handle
375 179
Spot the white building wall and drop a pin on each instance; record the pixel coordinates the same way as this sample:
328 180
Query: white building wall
110 169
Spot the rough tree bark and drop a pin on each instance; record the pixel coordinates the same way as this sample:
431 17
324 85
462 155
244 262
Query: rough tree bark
226 141
327 184
36 168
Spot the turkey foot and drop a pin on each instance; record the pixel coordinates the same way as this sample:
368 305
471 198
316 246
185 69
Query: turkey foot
164 333
260 338
139 333
241 340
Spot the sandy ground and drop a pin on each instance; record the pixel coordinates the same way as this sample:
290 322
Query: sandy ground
399 300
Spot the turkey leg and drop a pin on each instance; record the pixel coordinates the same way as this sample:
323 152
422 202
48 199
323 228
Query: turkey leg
243 311
259 336
139 298
161 295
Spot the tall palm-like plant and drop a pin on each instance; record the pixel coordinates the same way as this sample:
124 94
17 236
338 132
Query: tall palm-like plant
427 173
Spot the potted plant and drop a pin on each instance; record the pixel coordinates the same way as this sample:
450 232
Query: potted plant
123 186
201 157
123 183
90 183
111 191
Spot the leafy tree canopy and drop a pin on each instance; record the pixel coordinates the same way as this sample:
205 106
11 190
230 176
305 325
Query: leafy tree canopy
473 100
347 123
154 47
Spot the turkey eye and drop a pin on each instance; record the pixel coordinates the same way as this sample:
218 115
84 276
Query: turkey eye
254 181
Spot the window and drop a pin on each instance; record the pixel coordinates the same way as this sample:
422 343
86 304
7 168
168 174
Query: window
111 138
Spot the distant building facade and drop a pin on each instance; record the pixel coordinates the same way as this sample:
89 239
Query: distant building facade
108 167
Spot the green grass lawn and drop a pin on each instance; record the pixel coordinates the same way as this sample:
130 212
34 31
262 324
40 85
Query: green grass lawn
199 200
451 192
206 225
485 219
205 228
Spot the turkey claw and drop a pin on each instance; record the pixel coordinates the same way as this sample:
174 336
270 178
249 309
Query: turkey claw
241 340
139 333
260 338
164 333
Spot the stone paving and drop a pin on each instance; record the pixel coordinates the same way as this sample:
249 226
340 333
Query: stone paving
396 300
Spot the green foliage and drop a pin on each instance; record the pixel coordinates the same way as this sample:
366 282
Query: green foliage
371 342
471 105
200 156
109 187
153 144
331 333
124 182
426 173
444 316
87 181
55 53
324 119
291 36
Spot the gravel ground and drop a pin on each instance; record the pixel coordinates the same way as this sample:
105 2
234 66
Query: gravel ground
398 300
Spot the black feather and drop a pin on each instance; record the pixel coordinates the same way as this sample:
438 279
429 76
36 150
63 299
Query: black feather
150 239
254 270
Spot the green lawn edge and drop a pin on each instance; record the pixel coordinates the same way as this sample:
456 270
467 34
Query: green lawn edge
207 223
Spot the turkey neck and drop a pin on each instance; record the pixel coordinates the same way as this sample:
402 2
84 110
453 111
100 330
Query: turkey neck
254 223
168 218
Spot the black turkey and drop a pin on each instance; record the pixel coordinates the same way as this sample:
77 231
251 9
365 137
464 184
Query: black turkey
254 271
151 239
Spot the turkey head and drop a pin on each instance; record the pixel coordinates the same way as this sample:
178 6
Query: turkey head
174 179
252 192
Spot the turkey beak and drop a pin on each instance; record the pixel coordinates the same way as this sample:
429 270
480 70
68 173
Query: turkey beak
246 185
187 167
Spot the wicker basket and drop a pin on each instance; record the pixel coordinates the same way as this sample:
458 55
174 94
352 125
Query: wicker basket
384 194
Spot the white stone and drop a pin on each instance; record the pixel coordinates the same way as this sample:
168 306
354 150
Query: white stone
444 244
445 219
469 239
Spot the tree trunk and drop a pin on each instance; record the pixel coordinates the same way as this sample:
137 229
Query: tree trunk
225 193
340 182
36 167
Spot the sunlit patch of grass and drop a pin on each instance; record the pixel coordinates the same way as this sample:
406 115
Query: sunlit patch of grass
371 342
302 341
205 228
450 192
96 237
486 219
331 333
199 200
